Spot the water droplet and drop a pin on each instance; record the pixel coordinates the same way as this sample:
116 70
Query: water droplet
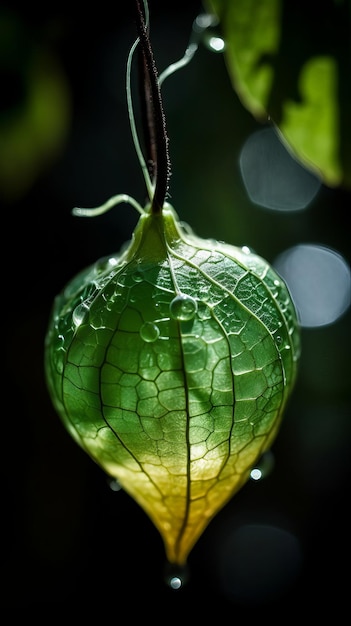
215 44
204 292
149 332
80 313
114 484
138 276
204 311
246 250
176 576
256 473
183 308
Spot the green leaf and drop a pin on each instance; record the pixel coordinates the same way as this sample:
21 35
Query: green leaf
293 66
171 364
34 117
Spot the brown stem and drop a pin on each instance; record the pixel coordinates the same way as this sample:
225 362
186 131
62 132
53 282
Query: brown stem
147 116
153 116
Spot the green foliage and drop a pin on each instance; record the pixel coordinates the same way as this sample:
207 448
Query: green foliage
35 107
293 66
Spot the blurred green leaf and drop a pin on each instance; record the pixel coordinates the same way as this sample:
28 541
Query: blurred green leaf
291 65
35 107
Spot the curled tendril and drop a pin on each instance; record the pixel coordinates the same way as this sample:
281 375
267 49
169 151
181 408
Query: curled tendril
103 208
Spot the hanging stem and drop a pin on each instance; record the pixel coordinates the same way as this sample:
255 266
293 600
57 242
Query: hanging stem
157 170
154 122
147 115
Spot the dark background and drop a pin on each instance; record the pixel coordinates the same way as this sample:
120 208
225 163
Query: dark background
68 539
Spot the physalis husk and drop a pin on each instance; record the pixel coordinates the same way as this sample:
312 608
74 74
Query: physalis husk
171 364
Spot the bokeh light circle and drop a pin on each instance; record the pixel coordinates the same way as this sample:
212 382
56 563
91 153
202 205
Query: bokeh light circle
319 280
273 178
258 563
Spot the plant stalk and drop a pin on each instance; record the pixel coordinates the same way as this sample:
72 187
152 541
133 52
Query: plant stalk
153 118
